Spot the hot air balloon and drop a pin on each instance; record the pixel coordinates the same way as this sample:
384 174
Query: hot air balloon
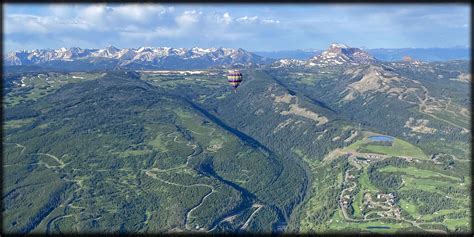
234 78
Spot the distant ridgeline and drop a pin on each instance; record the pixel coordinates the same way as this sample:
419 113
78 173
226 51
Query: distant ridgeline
423 54
141 58
428 54
111 58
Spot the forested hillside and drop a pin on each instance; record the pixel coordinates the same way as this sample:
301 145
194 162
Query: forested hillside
370 147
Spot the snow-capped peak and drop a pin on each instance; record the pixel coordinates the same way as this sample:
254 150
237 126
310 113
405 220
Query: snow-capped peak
342 54
112 49
141 49
149 55
341 46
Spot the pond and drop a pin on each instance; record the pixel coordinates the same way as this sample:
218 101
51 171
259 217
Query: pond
381 138
378 227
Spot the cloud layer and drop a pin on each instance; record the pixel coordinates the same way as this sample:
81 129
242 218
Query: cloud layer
254 27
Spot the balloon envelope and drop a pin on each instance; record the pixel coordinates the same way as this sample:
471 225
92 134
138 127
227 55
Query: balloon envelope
234 78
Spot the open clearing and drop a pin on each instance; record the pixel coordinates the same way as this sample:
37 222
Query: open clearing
399 148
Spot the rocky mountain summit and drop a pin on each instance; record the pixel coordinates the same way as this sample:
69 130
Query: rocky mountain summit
336 54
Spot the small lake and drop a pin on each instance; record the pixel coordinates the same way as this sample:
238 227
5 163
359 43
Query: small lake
381 138
378 227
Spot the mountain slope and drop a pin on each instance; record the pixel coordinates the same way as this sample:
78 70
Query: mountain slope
397 94
145 160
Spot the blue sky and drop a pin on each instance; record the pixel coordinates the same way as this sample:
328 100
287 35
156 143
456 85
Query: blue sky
255 27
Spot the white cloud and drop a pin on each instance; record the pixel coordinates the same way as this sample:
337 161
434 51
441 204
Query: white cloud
256 20
140 13
165 32
185 23
267 21
130 20
31 24
157 24
22 23
94 13
247 19
188 18
226 18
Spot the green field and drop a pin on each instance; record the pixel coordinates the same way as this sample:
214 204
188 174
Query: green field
337 223
365 182
354 145
356 204
398 148
453 223
439 213
410 208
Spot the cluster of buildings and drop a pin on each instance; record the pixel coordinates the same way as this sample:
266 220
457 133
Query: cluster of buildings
366 158
345 200
383 201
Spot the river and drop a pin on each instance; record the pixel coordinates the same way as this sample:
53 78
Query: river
248 199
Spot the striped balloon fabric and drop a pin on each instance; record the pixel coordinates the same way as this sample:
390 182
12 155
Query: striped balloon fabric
234 78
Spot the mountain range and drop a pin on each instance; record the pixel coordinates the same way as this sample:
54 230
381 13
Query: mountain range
140 58
111 57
